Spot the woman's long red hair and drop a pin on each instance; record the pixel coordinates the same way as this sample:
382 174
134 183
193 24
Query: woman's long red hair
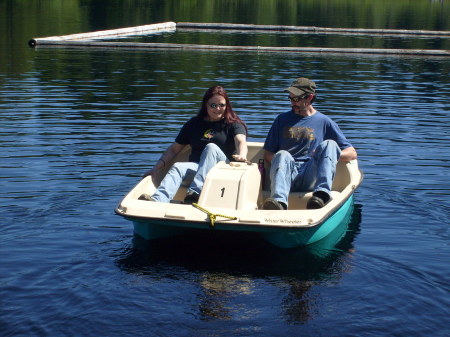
229 116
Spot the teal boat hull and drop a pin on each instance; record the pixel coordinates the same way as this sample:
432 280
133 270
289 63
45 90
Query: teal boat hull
306 236
282 237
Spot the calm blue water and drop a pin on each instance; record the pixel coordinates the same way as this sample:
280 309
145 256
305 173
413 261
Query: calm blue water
75 139
79 127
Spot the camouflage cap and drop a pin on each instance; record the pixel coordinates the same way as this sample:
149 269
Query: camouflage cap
302 86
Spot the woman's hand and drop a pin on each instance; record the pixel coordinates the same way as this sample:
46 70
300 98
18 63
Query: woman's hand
150 172
238 157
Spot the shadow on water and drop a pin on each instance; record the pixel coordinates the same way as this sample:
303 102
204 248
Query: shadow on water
227 267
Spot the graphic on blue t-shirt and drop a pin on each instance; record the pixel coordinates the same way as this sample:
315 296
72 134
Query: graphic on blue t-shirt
298 133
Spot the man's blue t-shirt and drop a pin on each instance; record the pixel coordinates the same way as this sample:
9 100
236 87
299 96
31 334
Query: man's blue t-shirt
301 135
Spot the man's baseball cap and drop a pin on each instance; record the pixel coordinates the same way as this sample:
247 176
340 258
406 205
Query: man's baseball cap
302 86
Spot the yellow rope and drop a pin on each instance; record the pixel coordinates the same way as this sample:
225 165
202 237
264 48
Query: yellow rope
213 216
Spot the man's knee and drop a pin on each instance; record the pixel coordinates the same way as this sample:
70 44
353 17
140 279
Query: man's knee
282 156
329 143
281 159
328 148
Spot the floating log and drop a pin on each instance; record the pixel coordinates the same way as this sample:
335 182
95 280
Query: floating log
141 45
112 33
87 39
308 29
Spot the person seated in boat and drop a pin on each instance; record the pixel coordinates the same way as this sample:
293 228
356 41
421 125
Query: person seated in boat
303 147
215 134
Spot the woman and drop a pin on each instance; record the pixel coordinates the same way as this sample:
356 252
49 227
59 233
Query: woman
215 134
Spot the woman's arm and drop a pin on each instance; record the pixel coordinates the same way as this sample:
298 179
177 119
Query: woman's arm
240 142
166 158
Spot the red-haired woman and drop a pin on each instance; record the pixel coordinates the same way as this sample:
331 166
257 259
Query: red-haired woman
215 134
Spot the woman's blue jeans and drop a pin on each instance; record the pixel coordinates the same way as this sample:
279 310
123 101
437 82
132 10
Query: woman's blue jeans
196 172
316 174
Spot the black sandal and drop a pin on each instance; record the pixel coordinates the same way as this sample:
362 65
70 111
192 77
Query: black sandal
318 200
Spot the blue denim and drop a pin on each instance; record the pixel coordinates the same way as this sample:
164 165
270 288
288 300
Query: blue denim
316 174
189 171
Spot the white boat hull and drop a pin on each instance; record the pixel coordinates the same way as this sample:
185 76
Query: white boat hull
231 200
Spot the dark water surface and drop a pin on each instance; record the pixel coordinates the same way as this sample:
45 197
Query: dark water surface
79 127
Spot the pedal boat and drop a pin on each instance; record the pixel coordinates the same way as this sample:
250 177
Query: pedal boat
231 200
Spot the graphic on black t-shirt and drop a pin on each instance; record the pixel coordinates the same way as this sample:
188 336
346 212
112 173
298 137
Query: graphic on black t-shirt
208 134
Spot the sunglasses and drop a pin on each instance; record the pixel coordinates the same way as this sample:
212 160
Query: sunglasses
215 106
298 98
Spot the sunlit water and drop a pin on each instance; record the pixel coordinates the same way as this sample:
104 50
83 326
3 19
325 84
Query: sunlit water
80 129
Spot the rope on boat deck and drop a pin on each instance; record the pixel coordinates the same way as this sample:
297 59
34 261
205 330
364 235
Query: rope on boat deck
213 216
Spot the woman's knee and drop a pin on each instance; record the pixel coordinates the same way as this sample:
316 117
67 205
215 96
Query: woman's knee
178 168
211 147
212 152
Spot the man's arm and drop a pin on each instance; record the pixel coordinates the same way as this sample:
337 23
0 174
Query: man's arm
348 154
268 156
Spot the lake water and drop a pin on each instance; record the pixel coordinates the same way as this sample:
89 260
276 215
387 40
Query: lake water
80 126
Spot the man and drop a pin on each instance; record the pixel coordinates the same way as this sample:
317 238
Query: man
303 147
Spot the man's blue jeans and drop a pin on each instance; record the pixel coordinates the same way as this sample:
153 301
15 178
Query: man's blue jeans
196 172
316 174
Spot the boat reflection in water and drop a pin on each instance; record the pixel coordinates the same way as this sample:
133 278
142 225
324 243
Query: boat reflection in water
229 273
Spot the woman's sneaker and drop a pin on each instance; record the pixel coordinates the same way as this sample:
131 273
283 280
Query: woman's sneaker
191 197
146 197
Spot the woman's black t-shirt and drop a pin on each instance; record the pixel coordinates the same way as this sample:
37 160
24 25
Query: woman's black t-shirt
198 133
